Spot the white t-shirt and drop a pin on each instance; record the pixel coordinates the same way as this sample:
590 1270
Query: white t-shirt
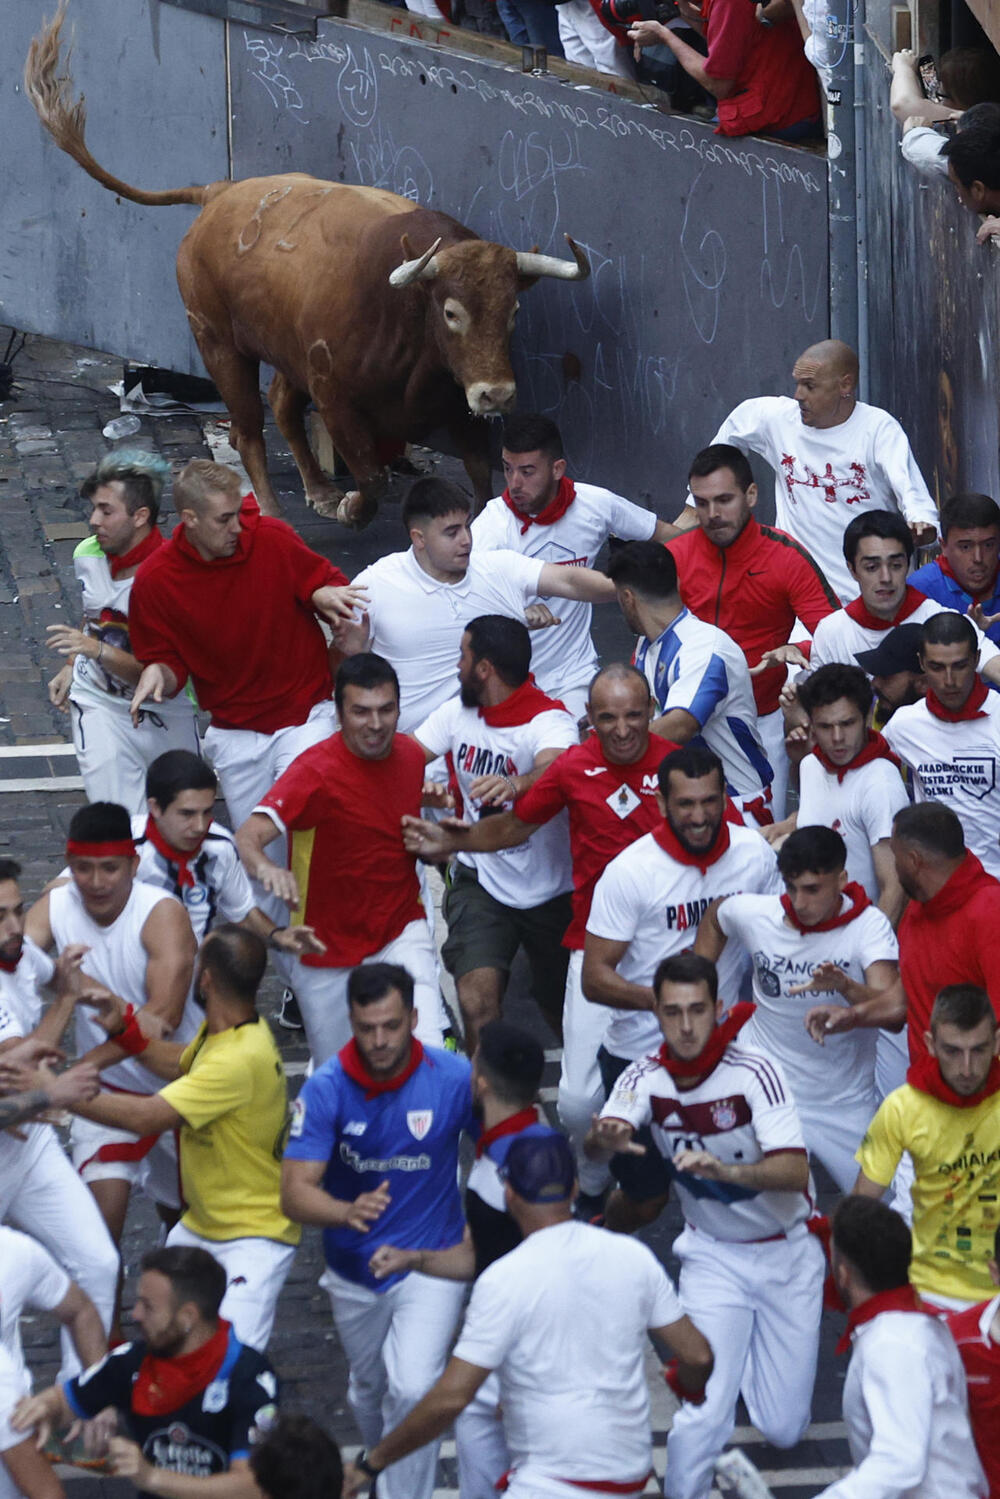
838 637
29 1276
563 1319
20 1012
12 1389
957 763
221 889
652 902
697 667
825 477
919 1446
564 656
860 807
535 871
417 623
922 147
841 1072
741 1112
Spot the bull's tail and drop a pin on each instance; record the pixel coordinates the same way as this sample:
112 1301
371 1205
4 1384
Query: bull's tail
66 120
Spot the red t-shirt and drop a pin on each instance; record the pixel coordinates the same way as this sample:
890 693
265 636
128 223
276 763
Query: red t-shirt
357 884
776 85
754 590
950 939
242 628
981 1357
610 806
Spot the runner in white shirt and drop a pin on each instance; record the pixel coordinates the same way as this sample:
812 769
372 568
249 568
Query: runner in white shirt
499 734
421 600
544 514
142 948
570 1356
820 919
723 1121
30 1277
905 1397
951 739
647 904
878 549
833 457
97 683
698 676
25 1473
39 1190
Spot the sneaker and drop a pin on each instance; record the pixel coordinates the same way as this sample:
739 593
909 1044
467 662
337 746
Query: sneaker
289 1016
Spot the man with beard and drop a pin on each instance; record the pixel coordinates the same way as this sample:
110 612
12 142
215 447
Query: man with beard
190 1396
721 1121
372 1159
498 735
607 786
647 906
225 1094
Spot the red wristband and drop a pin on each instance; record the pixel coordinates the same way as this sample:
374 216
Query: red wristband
130 1038
672 1380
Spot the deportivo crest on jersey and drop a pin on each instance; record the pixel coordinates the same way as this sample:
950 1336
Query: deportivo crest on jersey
216 1394
623 801
724 1114
419 1121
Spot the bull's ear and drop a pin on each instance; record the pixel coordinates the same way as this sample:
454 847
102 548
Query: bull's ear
406 247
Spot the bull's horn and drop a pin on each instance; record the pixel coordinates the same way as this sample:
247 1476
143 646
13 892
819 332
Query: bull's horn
416 270
550 265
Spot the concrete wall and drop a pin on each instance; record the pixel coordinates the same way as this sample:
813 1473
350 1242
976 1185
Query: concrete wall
709 257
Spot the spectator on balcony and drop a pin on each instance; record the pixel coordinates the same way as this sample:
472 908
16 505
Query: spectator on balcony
757 71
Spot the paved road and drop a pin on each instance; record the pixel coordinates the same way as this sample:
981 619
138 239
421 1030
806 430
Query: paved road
50 438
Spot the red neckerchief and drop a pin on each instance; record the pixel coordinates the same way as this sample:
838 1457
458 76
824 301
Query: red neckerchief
139 553
172 855
249 517
554 510
689 1074
512 1126
671 844
977 598
874 748
971 708
163 1385
524 704
6 966
859 612
899 1299
925 1076
351 1061
855 893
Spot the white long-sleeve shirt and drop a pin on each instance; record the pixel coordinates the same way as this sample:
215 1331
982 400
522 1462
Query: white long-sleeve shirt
826 476
906 1409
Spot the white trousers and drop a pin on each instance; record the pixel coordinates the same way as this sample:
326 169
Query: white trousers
47 1200
833 1134
114 756
256 1270
771 727
590 45
101 1153
322 993
759 1306
248 764
581 1092
480 1444
397 1343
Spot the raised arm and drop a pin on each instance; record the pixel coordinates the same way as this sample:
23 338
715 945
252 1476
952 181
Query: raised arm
581 583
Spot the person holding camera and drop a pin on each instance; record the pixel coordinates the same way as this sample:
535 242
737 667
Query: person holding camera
757 72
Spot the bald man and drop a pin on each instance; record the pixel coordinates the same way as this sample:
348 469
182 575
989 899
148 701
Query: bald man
833 457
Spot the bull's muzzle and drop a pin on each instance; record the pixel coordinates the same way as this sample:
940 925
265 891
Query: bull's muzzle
491 400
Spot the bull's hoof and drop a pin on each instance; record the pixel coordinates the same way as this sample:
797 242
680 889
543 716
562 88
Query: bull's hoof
356 511
325 501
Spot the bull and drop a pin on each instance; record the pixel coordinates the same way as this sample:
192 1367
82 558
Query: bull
394 320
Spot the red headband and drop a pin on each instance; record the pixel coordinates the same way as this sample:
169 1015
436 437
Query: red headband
122 848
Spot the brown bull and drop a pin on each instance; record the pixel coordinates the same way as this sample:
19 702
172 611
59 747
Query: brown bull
305 275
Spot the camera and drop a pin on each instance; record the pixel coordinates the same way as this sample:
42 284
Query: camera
627 12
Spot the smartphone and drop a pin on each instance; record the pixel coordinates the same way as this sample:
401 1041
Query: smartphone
929 78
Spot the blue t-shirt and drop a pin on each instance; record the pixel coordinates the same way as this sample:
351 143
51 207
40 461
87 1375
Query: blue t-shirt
408 1137
937 585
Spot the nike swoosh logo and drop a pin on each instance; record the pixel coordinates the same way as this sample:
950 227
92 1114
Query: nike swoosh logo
598 771
760 573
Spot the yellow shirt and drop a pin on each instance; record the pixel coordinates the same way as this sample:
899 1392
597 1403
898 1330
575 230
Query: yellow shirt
956 1194
234 1104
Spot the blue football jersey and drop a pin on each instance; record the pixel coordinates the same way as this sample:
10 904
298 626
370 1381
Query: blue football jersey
408 1137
